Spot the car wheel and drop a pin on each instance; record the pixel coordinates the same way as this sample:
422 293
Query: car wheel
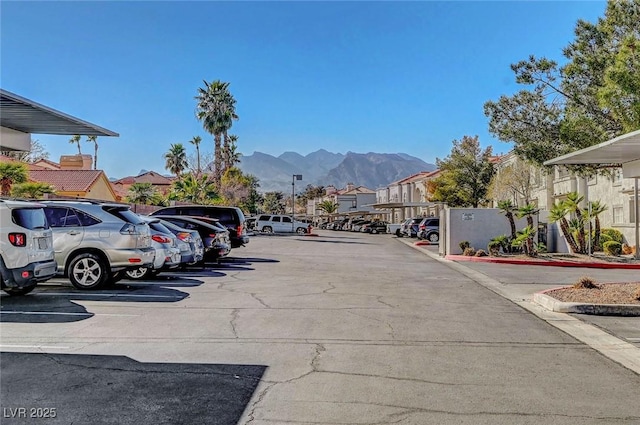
398 233
267 229
20 291
301 230
139 273
434 237
374 231
87 271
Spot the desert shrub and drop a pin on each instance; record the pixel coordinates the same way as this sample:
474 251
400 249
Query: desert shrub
626 249
481 253
469 251
586 283
612 248
540 247
494 248
464 245
636 295
614 234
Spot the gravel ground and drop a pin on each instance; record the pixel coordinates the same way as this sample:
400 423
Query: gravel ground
606 293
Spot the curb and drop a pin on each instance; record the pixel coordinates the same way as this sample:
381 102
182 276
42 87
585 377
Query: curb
558 306
552 263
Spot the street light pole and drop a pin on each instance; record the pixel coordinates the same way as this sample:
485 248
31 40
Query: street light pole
293 198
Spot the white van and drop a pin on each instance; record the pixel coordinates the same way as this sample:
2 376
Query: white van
276 223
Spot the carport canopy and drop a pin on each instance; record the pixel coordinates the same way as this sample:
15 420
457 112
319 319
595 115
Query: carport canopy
27 116
623 150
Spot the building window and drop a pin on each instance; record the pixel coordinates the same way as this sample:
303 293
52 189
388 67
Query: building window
592 180
618 217
617 177
632 211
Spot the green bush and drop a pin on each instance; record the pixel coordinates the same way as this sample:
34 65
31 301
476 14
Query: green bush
614 234
494 248
604 238
470 252
612 248
464 245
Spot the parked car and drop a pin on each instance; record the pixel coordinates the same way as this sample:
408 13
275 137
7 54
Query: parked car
230 217
26 246
409 227
215 238
167 252
278 223
375 227
195 253
356 225
94 240
429 229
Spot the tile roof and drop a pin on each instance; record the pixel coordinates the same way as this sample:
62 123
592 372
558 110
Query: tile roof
67 180
4 158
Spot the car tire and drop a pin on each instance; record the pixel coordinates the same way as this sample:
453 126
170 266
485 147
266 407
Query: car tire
114 278
139 273
87 271
301 230
20 291
267 229
433 237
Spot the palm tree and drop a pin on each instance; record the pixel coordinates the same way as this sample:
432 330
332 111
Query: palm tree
528 211
573 203
195 189
508 208
94 140
176 159
76 139
216 110
196 141
328 206
11 173
32 190
595 210
142 193
232 156
558 214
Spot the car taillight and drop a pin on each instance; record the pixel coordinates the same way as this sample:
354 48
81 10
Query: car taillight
183 236
161 239
18 239
239 230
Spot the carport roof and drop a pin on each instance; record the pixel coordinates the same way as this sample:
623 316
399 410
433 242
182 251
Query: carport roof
625 148
27 116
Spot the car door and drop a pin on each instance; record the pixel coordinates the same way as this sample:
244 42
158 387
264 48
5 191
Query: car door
67 231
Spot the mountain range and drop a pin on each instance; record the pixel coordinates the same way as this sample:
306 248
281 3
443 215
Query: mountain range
323 168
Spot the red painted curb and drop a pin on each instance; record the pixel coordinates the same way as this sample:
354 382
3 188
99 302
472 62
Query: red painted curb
543 263
419 243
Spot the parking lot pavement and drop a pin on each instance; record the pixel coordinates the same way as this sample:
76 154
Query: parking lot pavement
340 328
523 280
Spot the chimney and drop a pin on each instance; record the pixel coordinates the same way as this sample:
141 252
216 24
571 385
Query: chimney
76 162
350 187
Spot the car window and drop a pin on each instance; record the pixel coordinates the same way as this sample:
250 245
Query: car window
124 213
286 219
86 219
275 219
30 218
264 217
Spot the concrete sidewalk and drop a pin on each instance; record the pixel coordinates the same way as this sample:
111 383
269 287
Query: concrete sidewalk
618 338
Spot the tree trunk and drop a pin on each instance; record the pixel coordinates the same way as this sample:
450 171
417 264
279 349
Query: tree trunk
512 223
596 238
95 156
564 226
217 163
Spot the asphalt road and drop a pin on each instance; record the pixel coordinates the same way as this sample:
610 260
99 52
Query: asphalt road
341 328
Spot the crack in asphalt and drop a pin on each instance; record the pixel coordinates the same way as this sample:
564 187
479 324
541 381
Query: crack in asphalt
235 313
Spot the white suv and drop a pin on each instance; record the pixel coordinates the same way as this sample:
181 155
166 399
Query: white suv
26 246
275 223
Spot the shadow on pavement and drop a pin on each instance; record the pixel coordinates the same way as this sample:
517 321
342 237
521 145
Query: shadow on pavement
89 389
341 241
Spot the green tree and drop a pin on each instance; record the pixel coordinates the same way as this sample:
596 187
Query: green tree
76 140
11 173
529 211
573 202
232 156
176 159
32 190
196 190
595 209
466 174
273 202
94 140
594 97
559 214
328 207
239 189
216 110
144 194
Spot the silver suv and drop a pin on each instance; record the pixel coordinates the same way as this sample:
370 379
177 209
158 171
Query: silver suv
26 246
94 240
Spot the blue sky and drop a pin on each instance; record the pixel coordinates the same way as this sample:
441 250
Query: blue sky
343 76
